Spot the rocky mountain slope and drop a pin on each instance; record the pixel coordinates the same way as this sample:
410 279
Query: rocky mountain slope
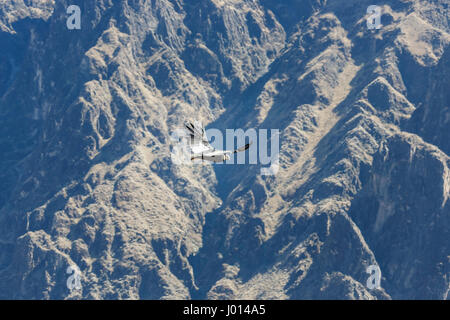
87 178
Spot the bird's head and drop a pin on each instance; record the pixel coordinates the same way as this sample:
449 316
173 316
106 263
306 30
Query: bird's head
226 157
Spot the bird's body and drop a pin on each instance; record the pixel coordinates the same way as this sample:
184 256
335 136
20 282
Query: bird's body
213 157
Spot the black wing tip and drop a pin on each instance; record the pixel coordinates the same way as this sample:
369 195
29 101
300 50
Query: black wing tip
189 126
247 145
192 125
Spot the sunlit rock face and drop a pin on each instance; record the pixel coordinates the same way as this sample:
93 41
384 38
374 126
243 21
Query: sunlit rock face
87 179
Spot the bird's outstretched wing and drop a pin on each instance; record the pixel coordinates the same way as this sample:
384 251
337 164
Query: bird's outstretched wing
243 148
198 141
196 132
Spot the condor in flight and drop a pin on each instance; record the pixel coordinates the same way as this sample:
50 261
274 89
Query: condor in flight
200 147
